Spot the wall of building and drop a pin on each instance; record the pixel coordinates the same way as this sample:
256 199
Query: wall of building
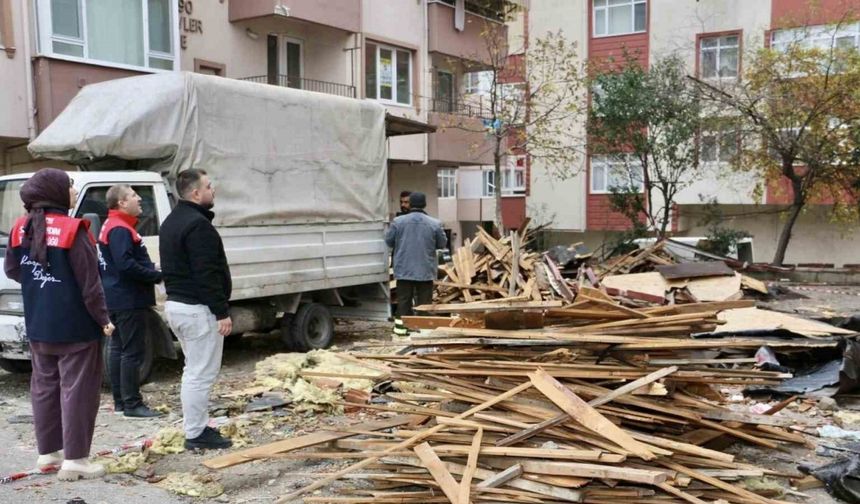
13 70
815 237
551 199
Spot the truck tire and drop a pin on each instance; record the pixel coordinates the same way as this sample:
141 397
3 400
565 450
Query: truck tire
311 328
17 366
145 367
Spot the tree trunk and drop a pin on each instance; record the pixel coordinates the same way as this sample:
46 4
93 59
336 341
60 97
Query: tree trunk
794 212
497 160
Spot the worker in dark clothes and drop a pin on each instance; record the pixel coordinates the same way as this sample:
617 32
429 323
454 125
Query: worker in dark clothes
54 258
414 238
129 277
198 283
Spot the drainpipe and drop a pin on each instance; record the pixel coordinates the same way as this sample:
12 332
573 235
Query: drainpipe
28 70
425 55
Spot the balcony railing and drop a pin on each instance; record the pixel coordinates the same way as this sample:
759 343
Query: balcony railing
469 106
317 86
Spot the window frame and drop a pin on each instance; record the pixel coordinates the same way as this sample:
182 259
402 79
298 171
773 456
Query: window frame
813 33
700 38
46 38
509 176
719 135
449 175
488 186
394 50
472 83
284 58
605 159
605 9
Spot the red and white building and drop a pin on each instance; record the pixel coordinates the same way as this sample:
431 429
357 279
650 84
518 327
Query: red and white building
712 36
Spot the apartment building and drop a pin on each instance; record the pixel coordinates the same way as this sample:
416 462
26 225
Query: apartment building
420 58
712 37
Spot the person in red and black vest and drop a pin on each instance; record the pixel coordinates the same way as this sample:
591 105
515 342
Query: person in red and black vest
128 277
54 258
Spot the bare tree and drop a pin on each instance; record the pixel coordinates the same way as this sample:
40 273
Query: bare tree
532 101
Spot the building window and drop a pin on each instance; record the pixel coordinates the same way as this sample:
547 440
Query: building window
488 183
618 17
388 72
447 183
718 146
478 82
514 176
616 173
718 56
819 36
136 33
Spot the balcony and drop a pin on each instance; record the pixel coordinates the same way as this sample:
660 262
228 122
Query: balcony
317 86
341 14
470 43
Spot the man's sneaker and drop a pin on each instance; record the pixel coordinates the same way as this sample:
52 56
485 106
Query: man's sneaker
118 408
209 439
141 412
50 459
73 470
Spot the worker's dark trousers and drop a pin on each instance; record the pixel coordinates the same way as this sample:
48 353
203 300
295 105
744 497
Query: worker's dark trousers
407 290
127 351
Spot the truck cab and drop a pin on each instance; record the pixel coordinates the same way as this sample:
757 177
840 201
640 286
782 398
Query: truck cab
92 188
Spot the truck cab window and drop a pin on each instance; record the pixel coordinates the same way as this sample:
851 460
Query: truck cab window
92 202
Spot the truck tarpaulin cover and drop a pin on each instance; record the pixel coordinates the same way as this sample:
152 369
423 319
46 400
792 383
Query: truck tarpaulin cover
277 155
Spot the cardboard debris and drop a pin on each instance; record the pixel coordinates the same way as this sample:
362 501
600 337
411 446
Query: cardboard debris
754 319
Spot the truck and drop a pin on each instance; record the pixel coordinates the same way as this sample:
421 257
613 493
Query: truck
301 194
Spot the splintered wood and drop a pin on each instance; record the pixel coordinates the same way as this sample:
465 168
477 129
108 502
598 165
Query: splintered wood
486 268
607 403
548 391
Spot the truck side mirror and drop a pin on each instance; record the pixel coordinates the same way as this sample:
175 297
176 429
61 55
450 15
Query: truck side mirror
95 223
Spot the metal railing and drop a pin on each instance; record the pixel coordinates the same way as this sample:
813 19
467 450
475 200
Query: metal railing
469 106
317 86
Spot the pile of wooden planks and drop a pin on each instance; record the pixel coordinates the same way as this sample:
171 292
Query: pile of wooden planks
599 403
486 268
636 261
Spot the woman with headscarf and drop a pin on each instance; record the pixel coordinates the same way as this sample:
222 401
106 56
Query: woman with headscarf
54 258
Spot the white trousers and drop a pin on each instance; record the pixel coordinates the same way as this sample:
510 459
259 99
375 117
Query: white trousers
197 330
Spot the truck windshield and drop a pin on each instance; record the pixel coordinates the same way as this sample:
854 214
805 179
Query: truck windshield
10 204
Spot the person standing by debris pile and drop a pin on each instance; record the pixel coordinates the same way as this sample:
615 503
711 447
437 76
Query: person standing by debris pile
54 258
414 238
197 279
128 277
404 203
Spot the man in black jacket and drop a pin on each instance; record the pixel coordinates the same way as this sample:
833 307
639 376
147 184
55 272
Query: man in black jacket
197 279
128 276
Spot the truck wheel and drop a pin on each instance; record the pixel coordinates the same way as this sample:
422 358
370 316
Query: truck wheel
311 328
145 367
16 365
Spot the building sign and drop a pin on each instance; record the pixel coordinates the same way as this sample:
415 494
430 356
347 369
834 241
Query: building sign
187 24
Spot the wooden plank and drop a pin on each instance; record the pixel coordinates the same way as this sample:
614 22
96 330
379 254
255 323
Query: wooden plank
515 471
297 443
471 465
695 270
404 444
611 396
680 494
740 492
426 322
597 471
482 306
589 417
537 487
439 472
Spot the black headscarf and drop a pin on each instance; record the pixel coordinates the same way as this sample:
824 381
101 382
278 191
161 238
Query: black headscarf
47 188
